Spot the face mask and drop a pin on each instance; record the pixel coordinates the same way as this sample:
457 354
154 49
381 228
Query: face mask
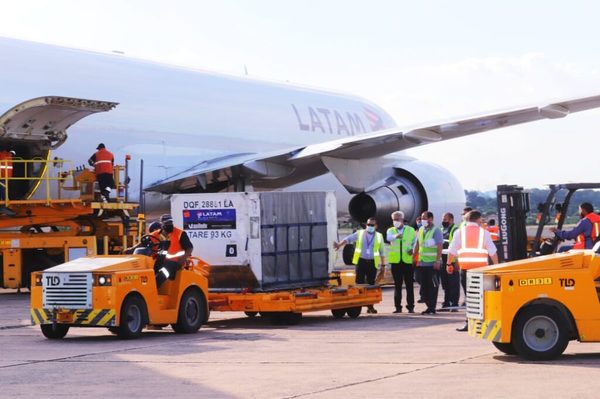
446 224
371 229
168 228
425 223
419 225
397 224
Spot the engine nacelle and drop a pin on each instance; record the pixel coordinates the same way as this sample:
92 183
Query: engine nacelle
415 186
398 194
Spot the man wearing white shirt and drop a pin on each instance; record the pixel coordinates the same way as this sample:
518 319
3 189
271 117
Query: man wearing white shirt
472 244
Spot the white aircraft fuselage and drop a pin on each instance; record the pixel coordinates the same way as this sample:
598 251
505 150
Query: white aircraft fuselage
174 118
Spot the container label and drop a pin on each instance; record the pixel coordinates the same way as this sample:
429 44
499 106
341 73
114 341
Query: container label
209 219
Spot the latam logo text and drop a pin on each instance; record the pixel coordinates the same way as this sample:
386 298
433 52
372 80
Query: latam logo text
332 121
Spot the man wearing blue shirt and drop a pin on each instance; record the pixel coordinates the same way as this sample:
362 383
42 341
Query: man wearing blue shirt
586 230
368 254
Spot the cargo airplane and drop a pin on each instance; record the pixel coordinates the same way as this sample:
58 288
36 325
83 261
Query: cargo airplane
204 132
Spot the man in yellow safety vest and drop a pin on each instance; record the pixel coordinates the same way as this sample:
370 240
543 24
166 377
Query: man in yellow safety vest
429 247
368 254
401 238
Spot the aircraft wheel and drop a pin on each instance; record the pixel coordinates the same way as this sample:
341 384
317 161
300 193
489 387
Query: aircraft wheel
540 333
353 313
505 347
338 313
192 309
132 318
54 331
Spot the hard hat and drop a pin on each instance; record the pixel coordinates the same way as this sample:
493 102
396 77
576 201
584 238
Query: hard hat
101 145
166 219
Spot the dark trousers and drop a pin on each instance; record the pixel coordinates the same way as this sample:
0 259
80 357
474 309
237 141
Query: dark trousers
463 282
450 284
417 274
105 183
171 268
403 272
366 271
430 283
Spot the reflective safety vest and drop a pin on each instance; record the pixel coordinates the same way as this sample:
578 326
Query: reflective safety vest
427 254
494 232
594 218
6 165
403 244
472 252
104 162
376 247
173 237
449 240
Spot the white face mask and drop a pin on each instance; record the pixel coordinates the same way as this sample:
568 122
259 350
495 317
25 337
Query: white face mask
425 222
397 224
370 229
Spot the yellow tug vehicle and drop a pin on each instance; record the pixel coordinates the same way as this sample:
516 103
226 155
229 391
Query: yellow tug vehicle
119 293
534 307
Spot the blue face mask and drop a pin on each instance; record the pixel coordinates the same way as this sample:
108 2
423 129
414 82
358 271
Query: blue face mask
370 229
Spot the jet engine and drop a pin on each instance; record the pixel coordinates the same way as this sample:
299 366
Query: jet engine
413 187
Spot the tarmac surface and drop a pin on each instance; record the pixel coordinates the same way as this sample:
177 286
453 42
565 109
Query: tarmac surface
375 356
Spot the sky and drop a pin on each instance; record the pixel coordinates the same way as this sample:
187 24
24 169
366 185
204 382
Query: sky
421 61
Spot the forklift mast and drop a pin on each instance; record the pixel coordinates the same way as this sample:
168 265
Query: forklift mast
513 206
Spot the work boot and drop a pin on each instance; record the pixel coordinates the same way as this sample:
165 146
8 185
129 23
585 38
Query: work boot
397 311
371 309
463 328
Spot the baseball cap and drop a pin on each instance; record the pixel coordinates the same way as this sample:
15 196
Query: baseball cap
101 145
166 219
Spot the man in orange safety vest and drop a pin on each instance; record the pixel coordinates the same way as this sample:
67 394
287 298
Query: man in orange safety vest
472 245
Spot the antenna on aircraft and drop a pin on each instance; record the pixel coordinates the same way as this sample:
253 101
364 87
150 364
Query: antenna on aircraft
118 52
245 70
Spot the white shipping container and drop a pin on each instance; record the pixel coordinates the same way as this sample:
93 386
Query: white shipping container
261 240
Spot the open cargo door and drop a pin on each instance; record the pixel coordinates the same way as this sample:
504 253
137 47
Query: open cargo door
34 127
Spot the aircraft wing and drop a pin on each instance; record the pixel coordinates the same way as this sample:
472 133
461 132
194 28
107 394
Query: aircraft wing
293 165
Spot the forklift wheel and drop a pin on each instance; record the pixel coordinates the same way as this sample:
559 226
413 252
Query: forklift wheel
338 313
192 310
54 331
132 318
251 314
353 313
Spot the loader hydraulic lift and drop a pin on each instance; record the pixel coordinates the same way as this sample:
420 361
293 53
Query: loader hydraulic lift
49 229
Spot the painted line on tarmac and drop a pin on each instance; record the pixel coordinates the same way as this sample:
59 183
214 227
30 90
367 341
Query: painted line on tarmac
432 366
15 326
